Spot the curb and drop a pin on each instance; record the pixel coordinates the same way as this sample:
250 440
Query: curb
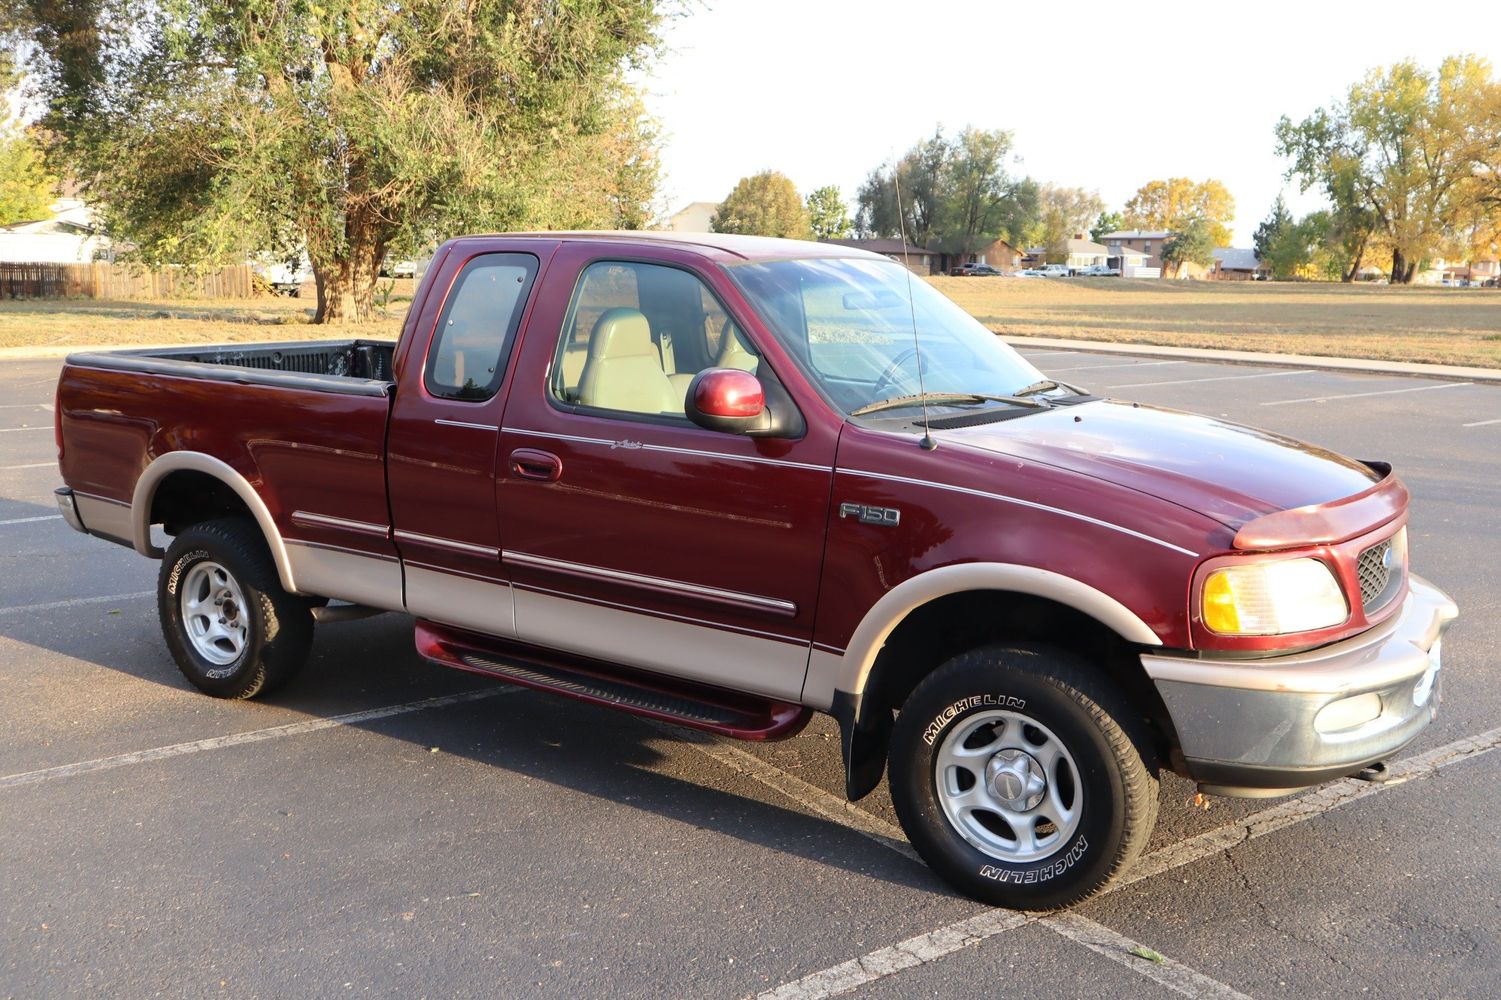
1359 365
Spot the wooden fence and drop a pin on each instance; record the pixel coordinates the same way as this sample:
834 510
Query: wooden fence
115 281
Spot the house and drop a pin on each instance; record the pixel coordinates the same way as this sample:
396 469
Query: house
1239 264
1002 255
1476 274
1147 241
917 260
1076 252
69 236
693 217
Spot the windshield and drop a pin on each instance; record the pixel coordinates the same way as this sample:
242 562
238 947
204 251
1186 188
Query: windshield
850 323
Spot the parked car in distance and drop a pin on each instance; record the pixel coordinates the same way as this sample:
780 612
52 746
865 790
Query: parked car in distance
1056 271
702 478
1028 272
1098 271
975 270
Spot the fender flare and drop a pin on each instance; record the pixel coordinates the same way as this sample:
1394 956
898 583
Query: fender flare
894 607
863 735
195 461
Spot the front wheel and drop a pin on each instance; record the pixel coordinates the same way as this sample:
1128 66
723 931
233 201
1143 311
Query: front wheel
1022 778
233 630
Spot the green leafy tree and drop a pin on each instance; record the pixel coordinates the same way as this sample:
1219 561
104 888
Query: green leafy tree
1402 156
955 193
1193 243
1108 222
25 186
1064 212
352 128
764 204
1277 220
1171 205
827 217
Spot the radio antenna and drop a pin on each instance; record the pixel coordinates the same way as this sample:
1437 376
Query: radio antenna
927 443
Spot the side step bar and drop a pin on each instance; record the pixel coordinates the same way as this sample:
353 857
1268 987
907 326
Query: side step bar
696 706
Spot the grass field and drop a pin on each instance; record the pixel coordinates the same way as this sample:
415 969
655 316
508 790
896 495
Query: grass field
1441 325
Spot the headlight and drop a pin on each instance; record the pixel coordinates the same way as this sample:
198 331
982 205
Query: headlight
1272 598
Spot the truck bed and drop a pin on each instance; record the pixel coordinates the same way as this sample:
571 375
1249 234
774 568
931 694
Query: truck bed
354 367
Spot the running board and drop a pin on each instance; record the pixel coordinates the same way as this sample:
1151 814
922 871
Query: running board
696 706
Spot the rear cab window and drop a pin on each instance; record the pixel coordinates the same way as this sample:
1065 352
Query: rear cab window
477 327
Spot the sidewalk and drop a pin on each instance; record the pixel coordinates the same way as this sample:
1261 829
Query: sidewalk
1447 372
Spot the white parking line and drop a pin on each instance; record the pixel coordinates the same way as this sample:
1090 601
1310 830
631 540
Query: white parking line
1103 941
76 602
1214 378
18 430
240 739
32 465
1359 395
946 940
1482 423
1051 354
926 948
1127 364
28 520
20 406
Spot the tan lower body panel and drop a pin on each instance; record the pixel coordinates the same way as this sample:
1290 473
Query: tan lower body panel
484 606
699 652
109 518
346 575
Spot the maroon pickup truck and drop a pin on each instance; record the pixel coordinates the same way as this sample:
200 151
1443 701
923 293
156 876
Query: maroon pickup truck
729 482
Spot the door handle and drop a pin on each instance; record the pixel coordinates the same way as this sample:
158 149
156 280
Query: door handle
529 463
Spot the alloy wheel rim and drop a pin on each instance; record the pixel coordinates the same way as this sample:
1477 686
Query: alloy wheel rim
214 614
1009 786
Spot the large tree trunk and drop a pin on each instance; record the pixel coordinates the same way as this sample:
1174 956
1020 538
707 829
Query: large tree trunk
346 284
1399 267
1357 260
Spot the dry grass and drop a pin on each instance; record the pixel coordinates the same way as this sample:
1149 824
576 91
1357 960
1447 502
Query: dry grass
86 322
1441 325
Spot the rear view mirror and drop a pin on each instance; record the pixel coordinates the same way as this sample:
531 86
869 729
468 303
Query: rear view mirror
733 402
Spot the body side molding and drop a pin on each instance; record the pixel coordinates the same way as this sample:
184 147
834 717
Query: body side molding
196 461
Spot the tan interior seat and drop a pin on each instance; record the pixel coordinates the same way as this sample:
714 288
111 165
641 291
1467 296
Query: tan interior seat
624 367
733 353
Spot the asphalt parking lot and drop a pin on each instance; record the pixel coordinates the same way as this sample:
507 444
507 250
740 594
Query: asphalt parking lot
384 827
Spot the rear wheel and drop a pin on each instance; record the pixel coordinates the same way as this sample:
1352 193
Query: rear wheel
1022 777
233 630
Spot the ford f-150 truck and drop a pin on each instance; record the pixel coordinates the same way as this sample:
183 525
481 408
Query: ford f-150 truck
728 482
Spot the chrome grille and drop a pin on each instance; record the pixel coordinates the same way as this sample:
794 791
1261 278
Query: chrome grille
1378 568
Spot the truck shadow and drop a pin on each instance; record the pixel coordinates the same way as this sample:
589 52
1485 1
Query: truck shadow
583 749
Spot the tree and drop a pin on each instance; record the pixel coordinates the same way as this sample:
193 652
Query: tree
350 128
1108 222
827 216
764 204
1403 154
1277 220
955 193
1172 204
1193 243
1064 212
25 186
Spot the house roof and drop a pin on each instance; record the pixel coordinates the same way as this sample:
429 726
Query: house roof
1237 259
1129 252
1075 247
1138 234
882 246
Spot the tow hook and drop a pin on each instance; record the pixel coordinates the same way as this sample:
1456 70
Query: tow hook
1377 773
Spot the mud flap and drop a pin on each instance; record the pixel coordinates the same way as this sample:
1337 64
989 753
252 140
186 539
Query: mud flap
864 738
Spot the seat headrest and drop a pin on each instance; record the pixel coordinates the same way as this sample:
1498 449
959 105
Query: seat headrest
621 333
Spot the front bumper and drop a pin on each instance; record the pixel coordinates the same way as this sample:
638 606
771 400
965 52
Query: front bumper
1253 727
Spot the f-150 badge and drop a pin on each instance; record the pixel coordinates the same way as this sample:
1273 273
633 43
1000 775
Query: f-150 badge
888 517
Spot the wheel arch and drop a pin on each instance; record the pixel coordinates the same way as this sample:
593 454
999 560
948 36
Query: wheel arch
159 474
863 686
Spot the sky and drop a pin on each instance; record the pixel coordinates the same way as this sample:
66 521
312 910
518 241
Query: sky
1104 96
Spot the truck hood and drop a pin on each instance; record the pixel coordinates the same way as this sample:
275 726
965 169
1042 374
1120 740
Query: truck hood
1226 471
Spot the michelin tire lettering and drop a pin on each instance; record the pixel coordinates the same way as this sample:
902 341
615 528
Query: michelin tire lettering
943 718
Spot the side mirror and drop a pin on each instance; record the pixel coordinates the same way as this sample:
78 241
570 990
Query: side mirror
731 401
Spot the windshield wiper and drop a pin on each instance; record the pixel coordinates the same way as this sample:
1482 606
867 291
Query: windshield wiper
942 399
1047 384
